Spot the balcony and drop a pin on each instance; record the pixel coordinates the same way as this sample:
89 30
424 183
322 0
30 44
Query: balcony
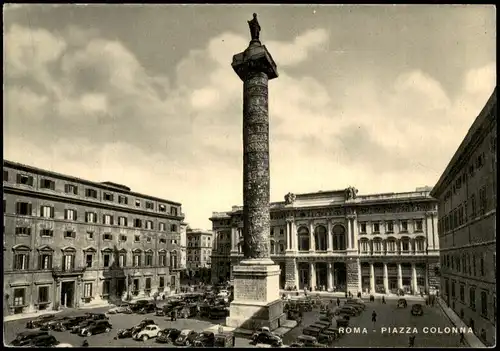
68 271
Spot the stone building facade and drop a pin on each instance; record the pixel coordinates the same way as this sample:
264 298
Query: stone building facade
467 195
339 241
199 250
72 242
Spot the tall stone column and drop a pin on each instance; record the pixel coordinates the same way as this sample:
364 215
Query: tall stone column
349 233
400 277
297 281
372 278
329 237
426 278
312 272
329 276
312 242
257 300
414 284
386 279
295 239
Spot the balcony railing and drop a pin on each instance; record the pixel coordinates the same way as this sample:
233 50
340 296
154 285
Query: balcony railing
62 271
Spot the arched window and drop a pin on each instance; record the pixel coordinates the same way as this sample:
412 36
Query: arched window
364 246
173 259
338 237
419 244
303 234
391 245
377 246
320 238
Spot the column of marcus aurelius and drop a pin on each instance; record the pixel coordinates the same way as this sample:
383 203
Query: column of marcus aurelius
257 300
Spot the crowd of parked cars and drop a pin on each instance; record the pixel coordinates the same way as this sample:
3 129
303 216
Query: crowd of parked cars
213 304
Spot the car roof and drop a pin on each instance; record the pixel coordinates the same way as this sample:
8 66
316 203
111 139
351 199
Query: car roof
306 337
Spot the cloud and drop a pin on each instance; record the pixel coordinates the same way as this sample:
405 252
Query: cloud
95 111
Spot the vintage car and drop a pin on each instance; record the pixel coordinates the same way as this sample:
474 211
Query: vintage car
309 341
267 337
69 323
149 332
330 334
83 324
417 310
218 312
402 303
169 307
96 316
98 327
225 339
150 307
25 337
43 341
186 338
168 335
121 308
54 324
138 305
356 302
37 322
314 330
205 339
188 311
130 332
350 311
359 309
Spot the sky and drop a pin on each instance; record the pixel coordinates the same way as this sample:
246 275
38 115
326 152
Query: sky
376 97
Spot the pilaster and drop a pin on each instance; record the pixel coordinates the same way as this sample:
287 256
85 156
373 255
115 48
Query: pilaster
372 278
312 271
400 276
386 279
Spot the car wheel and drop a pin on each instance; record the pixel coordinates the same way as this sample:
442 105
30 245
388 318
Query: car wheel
89 333
188 343
108 330
145 338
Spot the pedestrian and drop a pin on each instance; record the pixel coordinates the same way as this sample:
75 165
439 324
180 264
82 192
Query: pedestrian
346 295
462 338
338 302
172 317
85 343
383 300
374 316
411 341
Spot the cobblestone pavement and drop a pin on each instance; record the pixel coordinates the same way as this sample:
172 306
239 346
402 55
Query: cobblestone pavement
388 316
118 321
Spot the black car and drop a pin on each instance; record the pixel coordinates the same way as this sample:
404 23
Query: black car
168 335
97 316
186 338
138 305
97 327
37 322
205 339
267 338
69 323
218 312
417 310
77 328
25 337
43 341
55 324
130 332
150 307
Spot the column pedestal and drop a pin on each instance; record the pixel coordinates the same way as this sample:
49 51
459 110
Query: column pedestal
257 302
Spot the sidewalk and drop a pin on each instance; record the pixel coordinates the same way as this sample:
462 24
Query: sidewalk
329 294
16 317
471 339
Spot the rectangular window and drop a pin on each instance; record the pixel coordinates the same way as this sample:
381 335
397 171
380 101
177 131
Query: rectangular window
460 215
108 196
107 236
19 294
122 200
161 283
87 290
5 176
89 258
148 239
462 293
106 288
25 179
122 221
150 205
173 228
149 224
162 258
47 184
107 260
45 261
161 226
91 193
123 238
137 260
70 215
149 259
473 206
390 227
376 227
47 211
404 226
69 234
472 298
173 211
47 232
405 245
482 200
23 208
418 225
21 261
68 262
481 265
137 223
162 208
43 294
122 260
23 231
90 235
137 203
137 238
70 189
453 288
163 241
148 284
107 219
90 217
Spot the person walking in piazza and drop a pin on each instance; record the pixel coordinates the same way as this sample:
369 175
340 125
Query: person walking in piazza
338 301
374 316
411 341
383 299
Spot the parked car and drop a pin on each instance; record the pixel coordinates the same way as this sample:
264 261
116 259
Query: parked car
168 335
37 322
130 332
186 338
97 316
138 305
267 337
121 308
43 341
147 308
166 310
205 339
78 328
350 311
357 307
342 321
217 312
314 330
328 335
417 310
54 324
149 332
25 337
402 303
309 341
97 327
69 323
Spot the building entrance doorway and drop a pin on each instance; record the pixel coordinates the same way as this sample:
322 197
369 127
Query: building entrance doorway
303 275
321 276
121 286
67 294
339 276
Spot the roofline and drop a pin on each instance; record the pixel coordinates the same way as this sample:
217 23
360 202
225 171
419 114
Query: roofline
484 117
28 168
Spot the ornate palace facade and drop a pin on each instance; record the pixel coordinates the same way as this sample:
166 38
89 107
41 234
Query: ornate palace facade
339 241
72 242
